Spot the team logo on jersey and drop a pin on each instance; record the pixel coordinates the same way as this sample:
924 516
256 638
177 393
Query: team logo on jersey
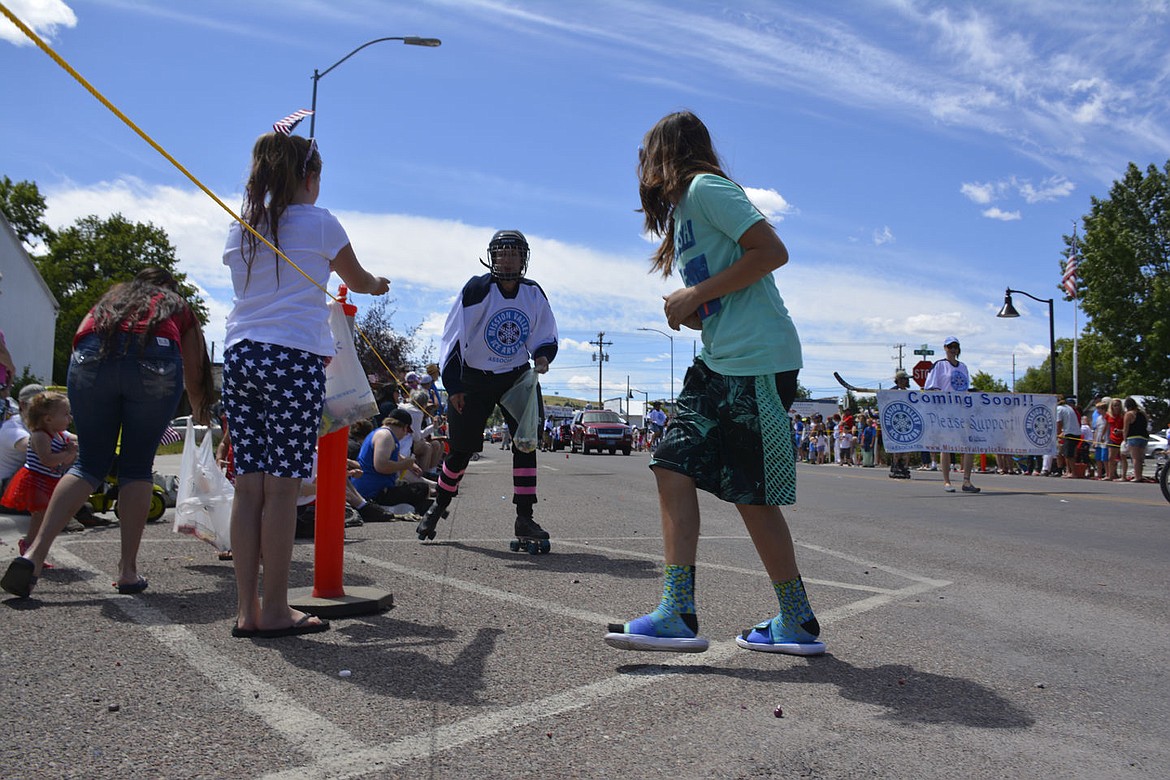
959 380
1039 426
902 422
506 332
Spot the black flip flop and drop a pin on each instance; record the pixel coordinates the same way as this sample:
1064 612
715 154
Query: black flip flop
133 587
19 579
243 633
302 626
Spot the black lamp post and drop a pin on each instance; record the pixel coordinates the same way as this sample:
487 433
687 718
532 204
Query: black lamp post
1009 311
409 40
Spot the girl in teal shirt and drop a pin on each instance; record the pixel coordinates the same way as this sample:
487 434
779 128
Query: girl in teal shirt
730 435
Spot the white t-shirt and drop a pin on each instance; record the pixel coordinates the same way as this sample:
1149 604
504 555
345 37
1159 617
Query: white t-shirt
274 303
12 432
944 376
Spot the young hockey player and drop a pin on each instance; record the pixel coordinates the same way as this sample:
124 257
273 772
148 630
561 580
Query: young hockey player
499 321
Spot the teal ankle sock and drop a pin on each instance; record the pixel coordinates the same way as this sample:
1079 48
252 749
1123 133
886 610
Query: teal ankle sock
675 614
795 611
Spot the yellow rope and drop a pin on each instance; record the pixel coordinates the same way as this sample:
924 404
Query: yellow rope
43 46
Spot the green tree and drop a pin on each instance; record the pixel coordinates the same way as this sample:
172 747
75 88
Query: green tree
1097 369
87 258
24 207
1125 282
986 383
382 344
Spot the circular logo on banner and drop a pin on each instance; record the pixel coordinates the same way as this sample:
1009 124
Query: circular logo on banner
1039 426
506 331
901 422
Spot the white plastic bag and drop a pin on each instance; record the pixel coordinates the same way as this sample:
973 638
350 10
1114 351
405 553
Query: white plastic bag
521 402
203 507
348 397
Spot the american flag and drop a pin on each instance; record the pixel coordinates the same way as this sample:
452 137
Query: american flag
289 123
1070 275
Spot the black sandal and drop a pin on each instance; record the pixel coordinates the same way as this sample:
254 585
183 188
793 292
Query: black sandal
19 579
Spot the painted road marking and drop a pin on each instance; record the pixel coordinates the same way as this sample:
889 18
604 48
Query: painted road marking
334 753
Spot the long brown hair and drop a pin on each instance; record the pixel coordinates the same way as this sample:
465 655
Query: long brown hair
151 297
675 150
280 164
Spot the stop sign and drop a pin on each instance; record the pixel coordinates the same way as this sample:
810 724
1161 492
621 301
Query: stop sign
921 369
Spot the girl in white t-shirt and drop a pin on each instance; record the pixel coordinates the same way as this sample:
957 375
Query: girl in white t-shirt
278 341
844 447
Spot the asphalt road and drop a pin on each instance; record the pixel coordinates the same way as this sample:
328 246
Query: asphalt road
1019 632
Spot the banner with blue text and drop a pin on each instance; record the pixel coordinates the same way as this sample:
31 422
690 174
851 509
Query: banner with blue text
947 421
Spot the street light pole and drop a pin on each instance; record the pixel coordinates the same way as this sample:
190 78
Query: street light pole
1009 311
410 40
664 333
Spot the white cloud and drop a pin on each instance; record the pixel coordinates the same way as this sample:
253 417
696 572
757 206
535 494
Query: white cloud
883 236
981 193
1050 189
770 203
43 16
985 193
995 212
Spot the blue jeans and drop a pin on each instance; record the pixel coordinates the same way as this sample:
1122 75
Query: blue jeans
128 394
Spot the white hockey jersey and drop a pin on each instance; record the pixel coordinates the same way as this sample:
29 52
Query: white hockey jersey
488 331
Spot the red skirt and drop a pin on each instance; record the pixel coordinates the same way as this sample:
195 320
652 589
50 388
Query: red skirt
29 491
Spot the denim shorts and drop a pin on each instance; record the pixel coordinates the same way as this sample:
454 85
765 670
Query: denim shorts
130 394
272 398
731 434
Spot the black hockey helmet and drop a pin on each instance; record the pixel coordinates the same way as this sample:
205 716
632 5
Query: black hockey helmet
507 239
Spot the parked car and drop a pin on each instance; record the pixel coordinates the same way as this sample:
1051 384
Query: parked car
180 425
601 429
1156 444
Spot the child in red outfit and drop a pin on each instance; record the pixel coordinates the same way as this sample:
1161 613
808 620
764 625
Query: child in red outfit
51 451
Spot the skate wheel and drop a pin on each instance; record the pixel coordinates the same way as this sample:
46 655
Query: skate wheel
533 548
514 545
545 546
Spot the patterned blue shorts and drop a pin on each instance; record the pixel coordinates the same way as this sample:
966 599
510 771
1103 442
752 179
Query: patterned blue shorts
272 397
733 436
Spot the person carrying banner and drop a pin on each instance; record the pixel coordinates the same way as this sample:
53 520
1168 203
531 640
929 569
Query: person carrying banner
952 374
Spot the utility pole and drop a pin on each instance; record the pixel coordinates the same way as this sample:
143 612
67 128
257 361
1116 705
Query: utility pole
600 357
900 347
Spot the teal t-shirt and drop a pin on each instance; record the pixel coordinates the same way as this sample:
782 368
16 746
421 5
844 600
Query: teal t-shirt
747 332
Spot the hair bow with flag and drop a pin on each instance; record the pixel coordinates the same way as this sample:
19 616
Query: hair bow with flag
289 123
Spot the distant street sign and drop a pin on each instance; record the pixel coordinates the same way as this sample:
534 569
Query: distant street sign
924 351
921 369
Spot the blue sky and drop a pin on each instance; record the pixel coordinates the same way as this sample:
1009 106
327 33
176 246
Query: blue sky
916 157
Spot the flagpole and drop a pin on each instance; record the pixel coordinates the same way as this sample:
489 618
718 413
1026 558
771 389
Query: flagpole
1076 328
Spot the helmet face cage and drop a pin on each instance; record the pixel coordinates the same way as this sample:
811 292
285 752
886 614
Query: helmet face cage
507 240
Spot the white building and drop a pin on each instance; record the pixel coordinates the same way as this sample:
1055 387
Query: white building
28 310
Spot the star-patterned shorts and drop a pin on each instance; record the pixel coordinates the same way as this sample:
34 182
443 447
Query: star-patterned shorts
272 397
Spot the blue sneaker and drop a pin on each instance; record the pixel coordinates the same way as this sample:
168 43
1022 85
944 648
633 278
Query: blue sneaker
644 633
764 639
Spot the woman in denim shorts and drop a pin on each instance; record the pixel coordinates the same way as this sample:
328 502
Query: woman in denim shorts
132 355
730 435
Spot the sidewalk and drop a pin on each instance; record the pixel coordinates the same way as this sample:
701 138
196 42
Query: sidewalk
12 525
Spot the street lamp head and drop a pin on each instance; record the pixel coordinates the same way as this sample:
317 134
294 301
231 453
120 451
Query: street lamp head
1008 309
411 40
